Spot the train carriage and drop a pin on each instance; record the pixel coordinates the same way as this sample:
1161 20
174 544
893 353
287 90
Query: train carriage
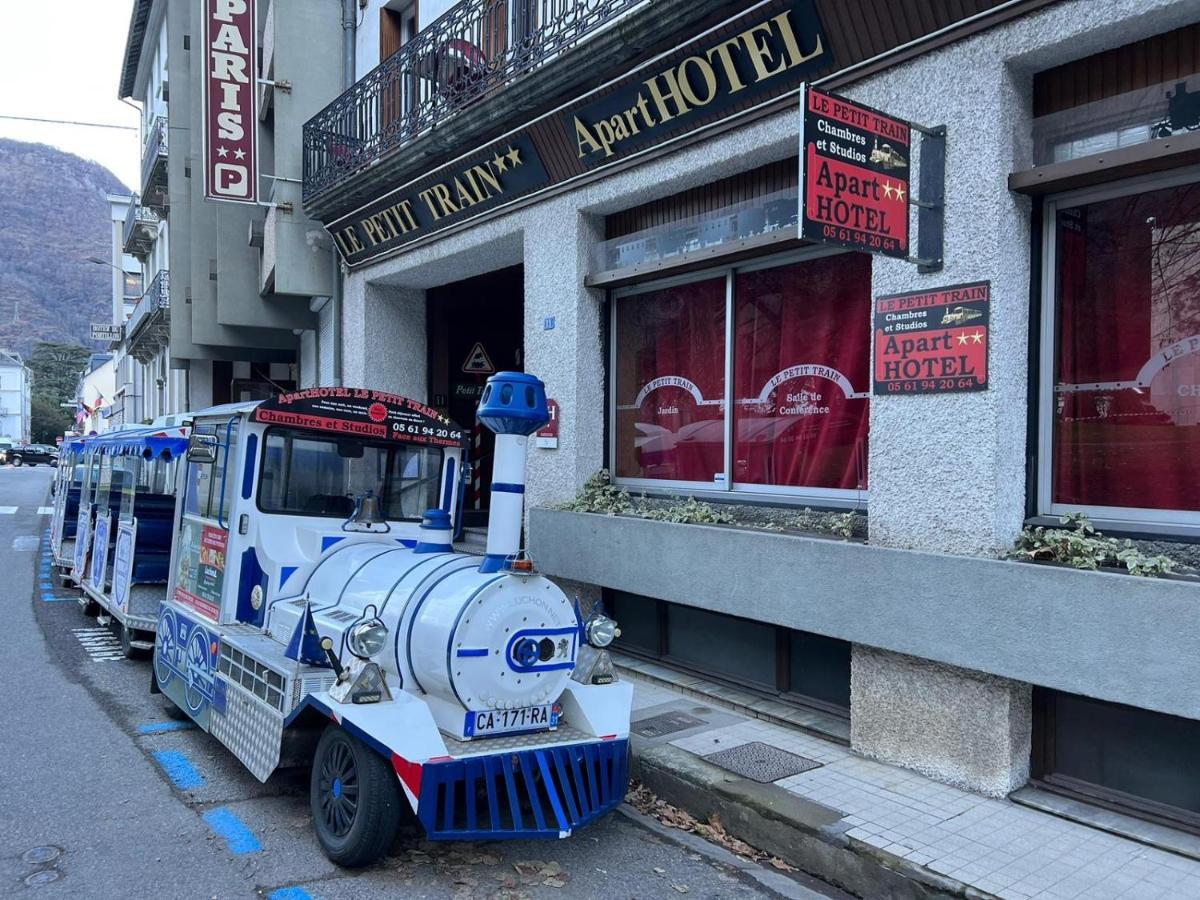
126 572
68 488
318 613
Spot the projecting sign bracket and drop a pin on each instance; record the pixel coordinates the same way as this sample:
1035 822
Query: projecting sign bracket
931 204
284 86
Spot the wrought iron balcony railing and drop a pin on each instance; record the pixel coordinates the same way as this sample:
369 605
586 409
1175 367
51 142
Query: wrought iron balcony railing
470 53
154 162
141 228
149 328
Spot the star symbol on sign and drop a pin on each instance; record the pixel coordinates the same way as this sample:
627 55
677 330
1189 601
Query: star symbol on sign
222 152
888 190
514 156
500 163
962 338
977 337
239 153
900 193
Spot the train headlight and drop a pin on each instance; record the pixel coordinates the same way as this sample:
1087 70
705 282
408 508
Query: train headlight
601 630
367 638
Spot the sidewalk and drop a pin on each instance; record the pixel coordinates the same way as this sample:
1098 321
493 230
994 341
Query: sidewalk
862 824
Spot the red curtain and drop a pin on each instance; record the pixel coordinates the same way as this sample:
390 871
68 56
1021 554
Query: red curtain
670 343
805 431
1128 281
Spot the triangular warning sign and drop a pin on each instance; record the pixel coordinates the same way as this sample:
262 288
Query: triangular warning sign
478 362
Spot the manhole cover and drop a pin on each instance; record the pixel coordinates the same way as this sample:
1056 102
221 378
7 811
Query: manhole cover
37 856
761 762
665 723
43 877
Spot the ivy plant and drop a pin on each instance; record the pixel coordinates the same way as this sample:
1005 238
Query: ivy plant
1077 543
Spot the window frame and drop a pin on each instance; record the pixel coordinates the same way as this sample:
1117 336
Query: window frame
276 429
1112 518
727 490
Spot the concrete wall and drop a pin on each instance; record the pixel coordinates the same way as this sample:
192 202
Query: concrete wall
954 725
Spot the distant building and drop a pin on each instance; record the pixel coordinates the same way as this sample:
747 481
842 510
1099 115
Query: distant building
14 396
233 290
94 394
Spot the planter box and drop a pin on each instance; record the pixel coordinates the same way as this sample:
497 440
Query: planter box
1113 637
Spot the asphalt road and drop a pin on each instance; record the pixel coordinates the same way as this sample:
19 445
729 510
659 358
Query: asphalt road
102 796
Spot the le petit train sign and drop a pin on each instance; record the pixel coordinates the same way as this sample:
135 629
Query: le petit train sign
761 55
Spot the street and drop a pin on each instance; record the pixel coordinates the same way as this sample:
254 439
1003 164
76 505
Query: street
105 796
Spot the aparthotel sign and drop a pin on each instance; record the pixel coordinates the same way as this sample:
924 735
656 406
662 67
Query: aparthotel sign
230 101
752 58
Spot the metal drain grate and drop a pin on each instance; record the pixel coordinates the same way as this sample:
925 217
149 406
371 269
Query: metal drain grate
665 723
761 762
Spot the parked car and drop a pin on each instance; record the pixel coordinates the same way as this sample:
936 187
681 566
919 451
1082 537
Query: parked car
33 454
6 445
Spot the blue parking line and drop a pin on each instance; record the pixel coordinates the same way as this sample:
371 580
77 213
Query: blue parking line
181 772
50 598
227 825
290 893
160 727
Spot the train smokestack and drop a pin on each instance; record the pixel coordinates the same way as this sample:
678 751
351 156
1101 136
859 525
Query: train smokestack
514 407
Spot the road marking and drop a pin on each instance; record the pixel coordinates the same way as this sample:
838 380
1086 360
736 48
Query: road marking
160 727
99 643
45 510
181 772
7 510
25 542
227 825
290 893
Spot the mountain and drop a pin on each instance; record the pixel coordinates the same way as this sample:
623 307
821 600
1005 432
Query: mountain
53 216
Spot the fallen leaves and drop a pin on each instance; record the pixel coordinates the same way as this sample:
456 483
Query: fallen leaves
643 800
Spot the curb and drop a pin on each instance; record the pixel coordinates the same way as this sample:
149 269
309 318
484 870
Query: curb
802 833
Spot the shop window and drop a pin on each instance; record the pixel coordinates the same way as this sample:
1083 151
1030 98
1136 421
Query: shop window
792 420
1122 405
802 352
1131 759
670 383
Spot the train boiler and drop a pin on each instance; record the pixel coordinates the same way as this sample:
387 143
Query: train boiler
343 630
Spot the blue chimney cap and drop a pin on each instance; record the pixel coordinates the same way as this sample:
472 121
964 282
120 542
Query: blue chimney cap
514 403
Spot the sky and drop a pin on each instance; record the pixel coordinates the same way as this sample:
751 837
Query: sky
77 81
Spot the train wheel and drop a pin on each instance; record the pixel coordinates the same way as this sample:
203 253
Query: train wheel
355 799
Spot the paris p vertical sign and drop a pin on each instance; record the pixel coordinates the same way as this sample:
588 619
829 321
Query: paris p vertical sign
230 112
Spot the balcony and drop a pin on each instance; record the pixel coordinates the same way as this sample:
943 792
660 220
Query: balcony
531 54
141 229
154 165
149 326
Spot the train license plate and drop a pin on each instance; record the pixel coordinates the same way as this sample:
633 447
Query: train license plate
504 721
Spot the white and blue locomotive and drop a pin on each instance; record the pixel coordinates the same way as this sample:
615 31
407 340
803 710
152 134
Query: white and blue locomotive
317 612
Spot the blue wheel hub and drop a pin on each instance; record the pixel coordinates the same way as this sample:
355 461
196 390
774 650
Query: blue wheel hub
337 787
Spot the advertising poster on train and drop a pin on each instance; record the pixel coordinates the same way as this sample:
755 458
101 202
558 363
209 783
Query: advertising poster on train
932 342
100 552
201 572
123 564
83 536
855 176
363 413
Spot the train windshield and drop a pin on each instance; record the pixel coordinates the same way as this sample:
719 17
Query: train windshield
308 474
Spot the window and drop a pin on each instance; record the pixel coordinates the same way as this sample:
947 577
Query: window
1121 360
307 474
754 379
209 486
807 668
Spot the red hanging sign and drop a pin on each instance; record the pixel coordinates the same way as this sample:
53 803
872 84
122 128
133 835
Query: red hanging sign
855 176
230 107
